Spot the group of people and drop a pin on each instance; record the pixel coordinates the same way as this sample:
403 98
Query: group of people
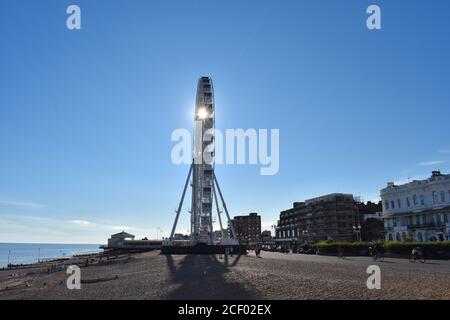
377 251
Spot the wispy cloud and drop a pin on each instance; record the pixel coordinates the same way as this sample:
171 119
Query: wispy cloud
19 227
444 150
121 228
82 223
74 223
32 228
432 163
25 204
409 179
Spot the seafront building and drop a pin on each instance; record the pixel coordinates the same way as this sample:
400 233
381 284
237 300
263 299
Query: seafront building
419 209
120 239
126 241
247 228
330 217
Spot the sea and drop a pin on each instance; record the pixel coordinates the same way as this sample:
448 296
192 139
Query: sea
24 253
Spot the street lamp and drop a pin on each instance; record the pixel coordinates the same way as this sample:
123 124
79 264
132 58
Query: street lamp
158 233
357 230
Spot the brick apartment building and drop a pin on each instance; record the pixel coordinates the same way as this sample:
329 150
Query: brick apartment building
248 228
332 216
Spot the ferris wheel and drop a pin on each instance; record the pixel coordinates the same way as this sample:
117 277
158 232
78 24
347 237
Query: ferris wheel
204 183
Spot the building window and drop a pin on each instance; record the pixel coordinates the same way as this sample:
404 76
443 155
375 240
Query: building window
417 220
422 200
386 204
415 200
420 237
407 202
408 221
442 196
435 198
392 204
399 203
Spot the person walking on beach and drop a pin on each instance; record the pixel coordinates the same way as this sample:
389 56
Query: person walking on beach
340 252
258 252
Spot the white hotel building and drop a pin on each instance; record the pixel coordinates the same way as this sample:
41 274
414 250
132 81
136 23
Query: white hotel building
419 209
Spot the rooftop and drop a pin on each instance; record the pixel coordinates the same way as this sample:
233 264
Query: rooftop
123 234
329 197
435 177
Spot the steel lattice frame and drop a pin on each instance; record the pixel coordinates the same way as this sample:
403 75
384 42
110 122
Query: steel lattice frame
202 176
204 181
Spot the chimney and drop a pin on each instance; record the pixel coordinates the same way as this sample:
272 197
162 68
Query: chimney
436 173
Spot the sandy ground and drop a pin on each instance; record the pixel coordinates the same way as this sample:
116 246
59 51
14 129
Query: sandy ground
273 276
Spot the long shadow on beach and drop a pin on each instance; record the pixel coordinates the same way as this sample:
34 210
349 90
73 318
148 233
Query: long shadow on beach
201 277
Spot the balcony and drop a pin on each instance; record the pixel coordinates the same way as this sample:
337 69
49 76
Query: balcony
429 225
426 225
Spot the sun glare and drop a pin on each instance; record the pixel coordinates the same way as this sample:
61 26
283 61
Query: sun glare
202 113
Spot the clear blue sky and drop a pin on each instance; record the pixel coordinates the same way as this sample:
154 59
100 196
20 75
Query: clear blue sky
86 116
